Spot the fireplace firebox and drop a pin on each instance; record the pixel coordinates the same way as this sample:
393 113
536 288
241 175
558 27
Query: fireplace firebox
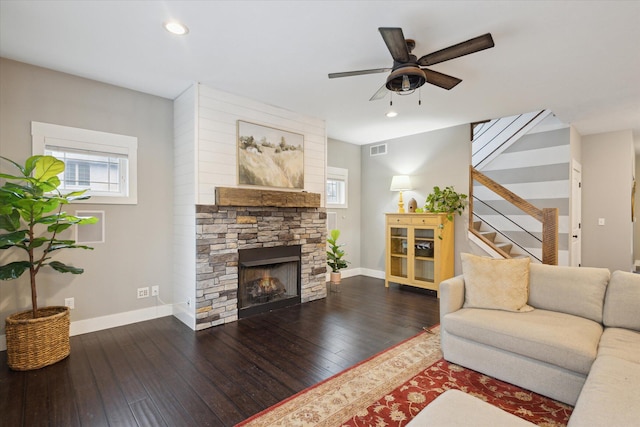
268 278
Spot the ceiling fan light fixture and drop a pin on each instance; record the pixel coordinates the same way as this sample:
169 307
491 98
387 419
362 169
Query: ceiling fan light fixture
405 79
391 113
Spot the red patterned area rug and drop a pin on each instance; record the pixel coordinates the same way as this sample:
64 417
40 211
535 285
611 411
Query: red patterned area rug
390 388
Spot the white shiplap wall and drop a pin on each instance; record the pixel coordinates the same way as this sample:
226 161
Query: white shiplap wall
218 113
185 133
205 150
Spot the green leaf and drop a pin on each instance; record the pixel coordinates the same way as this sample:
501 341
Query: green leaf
10 221
47 167
49 185
66 244
7 176
11 189
29 165
59 227
14 238
63 268
88 220
37 242
76 194
13 270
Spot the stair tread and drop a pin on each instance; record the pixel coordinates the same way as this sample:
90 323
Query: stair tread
486 233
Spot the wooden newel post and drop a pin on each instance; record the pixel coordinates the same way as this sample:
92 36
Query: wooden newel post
550 236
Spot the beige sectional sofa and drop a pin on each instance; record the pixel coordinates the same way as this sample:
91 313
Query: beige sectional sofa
576 339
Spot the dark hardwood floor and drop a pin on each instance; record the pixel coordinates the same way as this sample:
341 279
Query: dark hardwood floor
161 373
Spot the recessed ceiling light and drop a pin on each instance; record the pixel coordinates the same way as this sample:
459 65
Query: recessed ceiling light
175 27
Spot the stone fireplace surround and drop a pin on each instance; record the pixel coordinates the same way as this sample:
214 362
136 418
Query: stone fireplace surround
222 230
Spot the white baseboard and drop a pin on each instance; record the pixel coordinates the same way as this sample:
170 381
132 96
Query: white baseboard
182 313
350 272
120 319
376 274
110 321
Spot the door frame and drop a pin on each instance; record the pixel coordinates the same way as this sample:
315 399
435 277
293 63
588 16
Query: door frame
575 215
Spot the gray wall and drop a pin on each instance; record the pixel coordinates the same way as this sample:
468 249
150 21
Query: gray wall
137 251
439 158
347 156
607 173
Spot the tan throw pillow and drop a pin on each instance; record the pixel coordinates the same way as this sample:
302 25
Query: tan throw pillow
499 284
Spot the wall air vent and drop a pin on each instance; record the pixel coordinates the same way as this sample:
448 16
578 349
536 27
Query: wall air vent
378 150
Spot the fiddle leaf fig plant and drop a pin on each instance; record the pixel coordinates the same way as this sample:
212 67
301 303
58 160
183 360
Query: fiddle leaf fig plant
446 201
31 220
335 253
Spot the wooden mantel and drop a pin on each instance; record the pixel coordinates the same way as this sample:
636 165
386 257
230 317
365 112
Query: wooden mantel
229 196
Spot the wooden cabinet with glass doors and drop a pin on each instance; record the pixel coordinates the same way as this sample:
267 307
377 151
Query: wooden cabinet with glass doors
416 255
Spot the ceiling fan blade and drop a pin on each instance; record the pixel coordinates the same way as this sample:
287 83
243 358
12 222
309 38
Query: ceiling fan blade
381 93
457 50
358 73
441 80
394 39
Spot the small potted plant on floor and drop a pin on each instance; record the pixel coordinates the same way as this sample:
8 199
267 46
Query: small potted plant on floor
31 220
446 201
335 256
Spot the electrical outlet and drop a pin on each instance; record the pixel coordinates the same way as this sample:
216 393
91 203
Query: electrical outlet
70 302
143 292
155 291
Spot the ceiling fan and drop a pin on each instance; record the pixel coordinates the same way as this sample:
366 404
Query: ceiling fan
408 72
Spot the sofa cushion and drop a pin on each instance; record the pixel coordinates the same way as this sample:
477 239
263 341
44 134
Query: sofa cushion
455 408
570 342
572 290
622 343
622 305
610 395
500 284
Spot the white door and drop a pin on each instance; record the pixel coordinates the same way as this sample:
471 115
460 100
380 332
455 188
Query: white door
576 214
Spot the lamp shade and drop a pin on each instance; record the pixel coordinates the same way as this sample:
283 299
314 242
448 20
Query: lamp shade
400 183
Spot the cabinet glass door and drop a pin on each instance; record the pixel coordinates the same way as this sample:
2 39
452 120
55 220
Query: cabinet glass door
424 260
398 246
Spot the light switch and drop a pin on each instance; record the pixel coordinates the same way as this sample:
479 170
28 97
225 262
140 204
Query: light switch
600 221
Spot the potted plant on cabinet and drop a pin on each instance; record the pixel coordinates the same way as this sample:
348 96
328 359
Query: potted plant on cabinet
335 257
446 201
31 220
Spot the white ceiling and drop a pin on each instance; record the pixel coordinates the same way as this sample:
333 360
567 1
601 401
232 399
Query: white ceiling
580 59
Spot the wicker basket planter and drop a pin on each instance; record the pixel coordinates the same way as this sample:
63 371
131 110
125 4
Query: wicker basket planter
35 343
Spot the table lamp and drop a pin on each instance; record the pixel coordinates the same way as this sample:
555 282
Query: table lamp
400 183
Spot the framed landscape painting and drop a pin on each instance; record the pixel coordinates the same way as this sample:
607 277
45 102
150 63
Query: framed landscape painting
270 157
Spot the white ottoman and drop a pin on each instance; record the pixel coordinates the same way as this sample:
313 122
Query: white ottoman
455 408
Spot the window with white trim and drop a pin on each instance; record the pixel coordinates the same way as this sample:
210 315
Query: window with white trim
104 163
337 185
